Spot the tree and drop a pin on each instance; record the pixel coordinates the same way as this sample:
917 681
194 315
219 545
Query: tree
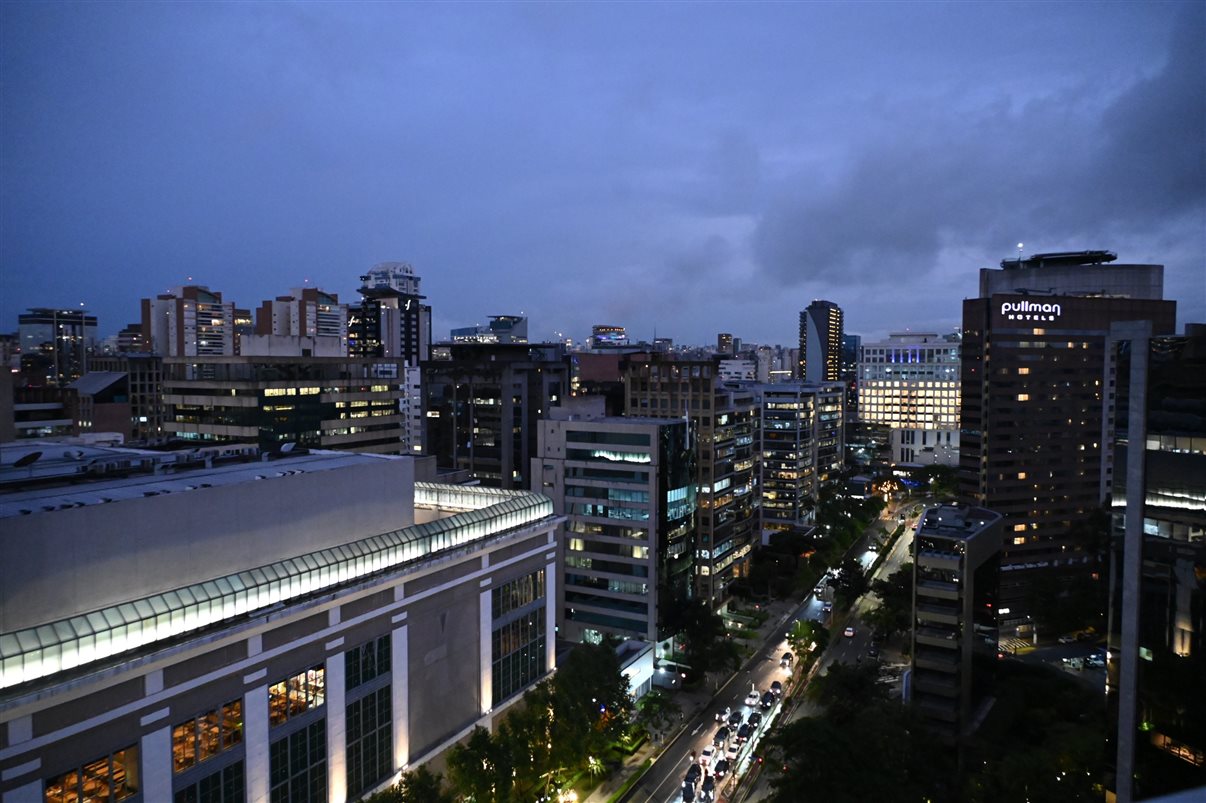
894 614
824 759
803 634
417 786
845 690
480 769
850 583
707 644
657 709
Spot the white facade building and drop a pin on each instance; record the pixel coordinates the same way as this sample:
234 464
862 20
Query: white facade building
910 383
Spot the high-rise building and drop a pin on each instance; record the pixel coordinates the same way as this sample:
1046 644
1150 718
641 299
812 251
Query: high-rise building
821 332
851 348
659 385
302 627
956 560
482 403
910 383
352 403
1031 407
189 321
724 343
627 489
305 312
144 384
56 345
794 420
391 321
1155 478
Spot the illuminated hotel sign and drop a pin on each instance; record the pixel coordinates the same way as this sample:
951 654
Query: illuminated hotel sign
1030 311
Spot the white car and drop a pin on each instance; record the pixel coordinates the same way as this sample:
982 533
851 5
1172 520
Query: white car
848 632
753 697
706 755
731 755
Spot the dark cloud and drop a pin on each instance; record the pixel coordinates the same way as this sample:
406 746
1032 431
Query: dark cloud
695 169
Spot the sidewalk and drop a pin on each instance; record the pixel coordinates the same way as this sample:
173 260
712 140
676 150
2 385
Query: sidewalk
692 703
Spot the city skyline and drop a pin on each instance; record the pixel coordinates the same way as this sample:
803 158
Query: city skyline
672 169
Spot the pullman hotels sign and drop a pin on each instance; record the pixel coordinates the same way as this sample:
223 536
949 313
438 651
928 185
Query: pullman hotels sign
1030 311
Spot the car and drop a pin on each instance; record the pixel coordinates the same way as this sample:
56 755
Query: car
1095 661
735 719
827 607
777 688
708 790
848 632
724 714
722 736
731 754
688 793
768 699
705 755
785 661
873 650
1070 638
743 732
693 774
720 768
752 697
755 719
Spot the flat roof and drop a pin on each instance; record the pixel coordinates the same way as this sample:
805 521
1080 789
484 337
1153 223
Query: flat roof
174 472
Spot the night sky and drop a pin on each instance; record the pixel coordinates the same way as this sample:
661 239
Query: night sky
681 168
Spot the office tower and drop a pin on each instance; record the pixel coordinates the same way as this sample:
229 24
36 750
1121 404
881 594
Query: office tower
956 562
724 343
56 345
910 383
796 433
821 342
627 489
306 312
391 321
1156 483
851 346
349 403
189 321
500 329
482 404
659 385
304 627
731 370
1030 445
144 384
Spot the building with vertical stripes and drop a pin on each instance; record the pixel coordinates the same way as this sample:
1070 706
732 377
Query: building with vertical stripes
219 625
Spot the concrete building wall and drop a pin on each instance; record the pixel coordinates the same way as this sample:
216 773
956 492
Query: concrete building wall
65 562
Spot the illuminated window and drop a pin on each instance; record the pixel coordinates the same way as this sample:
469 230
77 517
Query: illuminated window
206 735
1021 475
1017 528
111 777
1021 539
1023 397
296 695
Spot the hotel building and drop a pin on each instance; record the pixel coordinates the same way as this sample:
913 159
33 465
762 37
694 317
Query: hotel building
218 626
1032 403
910 384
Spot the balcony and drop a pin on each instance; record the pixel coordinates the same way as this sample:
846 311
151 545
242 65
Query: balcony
938 660
929 683
933 559
938 637
939 614
938 589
